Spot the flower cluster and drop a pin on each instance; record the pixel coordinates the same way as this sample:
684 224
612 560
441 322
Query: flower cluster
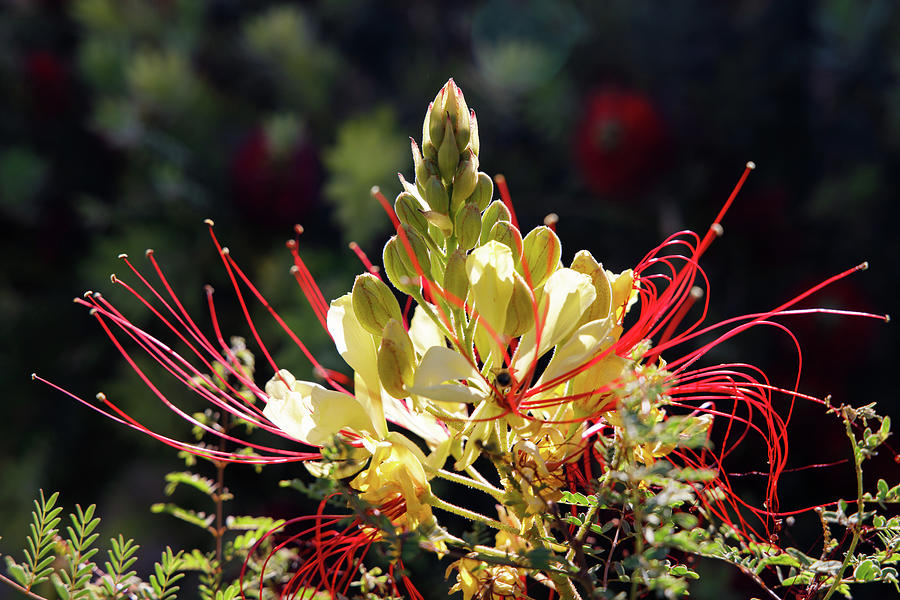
501 356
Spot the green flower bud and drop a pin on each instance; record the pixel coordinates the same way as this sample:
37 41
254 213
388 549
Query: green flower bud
541 253
409 211
373 303
451 102
468 226
419 249
429 151
402 277
497 211
441 221
464 180
448 154
585 263
506 234
396 359
520 311
463 128
456 280
436 196
484 190
433 128
474 140
418 161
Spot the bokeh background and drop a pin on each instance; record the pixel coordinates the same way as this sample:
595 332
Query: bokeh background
125 123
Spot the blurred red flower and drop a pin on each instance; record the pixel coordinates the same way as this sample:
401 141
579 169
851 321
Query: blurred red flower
619 139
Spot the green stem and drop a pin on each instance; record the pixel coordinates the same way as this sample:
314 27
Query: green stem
21 589
490 490
582 531
860 506
471 515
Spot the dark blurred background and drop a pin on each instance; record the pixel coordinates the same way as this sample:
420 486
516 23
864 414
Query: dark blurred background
125 123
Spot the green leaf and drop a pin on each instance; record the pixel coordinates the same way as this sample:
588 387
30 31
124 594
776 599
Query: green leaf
199 519
866 571
207 486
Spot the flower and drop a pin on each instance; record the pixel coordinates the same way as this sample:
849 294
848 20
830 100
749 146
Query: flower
619 139
549 372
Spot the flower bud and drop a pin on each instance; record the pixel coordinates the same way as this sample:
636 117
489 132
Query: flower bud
464 180
429 150
468 226
415 243
373 303
402 277
396 359
433 128
506 234
448 154
541 253
461 122
436 196
481 195
474 139
409 211
456 280
439 220
585 263
497 211
418 161
520 312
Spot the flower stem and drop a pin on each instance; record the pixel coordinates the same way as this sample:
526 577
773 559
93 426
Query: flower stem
469 514
490 490
860 506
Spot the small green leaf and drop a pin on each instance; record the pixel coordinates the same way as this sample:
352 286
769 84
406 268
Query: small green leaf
866 571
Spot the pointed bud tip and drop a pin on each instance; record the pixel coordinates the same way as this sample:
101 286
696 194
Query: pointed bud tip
209 222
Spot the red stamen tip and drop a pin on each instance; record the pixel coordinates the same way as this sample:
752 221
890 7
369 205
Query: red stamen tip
87 294
751 165
208 289
225 251
291 244
551 220
375 190
33 376
101 396
123 255
92 312
112 278
209 222
696 292
862 266
353 245
298 229
294 269
148 252
717 229
887 318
